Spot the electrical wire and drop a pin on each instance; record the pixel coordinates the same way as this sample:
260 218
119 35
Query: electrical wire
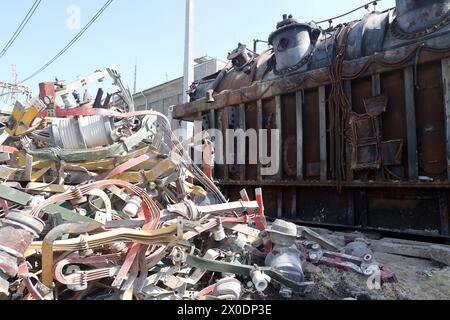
20 28
366 6
72 42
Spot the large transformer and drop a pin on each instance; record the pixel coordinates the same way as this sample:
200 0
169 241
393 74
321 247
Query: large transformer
363 112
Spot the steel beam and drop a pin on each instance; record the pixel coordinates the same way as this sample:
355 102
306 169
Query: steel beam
446 88
278 142
410 110
259 127
323 134
299 115
348 147
242 126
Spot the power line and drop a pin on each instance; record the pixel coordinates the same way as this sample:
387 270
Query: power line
366 6
21 27
72 42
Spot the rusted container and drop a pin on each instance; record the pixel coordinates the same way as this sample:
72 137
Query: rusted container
363 117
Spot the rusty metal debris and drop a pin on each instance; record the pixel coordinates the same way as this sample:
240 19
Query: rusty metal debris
361 110
101 202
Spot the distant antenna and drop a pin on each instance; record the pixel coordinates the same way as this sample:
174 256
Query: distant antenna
14 81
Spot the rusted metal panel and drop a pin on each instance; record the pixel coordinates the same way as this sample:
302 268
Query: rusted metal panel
220 167
289 143
376 85
322 205
348 147
394 120
279 136
361 90
307 80
323 134
299 127
351 218
445 65
280 206
407 210
259 127
375 106
242 126
289 202
311 150
225 127
444 214
410 112
251 123
357 184
399 112
431 124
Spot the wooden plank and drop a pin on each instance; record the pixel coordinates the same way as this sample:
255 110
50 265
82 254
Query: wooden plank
259 127
446 88
278 142
323 134
299 113
410 110
348 146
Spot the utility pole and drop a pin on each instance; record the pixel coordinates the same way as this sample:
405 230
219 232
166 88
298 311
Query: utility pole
188 61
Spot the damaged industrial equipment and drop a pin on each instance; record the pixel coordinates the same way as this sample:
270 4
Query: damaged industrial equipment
100 201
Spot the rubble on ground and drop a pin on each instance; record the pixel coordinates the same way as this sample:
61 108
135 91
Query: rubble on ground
104 203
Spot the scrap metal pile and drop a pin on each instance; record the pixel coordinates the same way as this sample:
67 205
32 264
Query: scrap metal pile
104 202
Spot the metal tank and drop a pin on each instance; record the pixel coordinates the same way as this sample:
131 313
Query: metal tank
363 116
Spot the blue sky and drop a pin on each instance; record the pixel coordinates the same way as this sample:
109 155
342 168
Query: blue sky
150 33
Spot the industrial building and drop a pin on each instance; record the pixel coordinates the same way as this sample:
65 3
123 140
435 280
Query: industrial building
161 97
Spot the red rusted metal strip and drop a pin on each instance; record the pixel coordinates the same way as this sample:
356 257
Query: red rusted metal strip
245 197
124 167
8 149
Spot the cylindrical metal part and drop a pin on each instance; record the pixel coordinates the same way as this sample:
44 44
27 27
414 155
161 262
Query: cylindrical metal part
17 231
230 287
82 132
96 131
260 281
16 234
132 207
288 262
219 233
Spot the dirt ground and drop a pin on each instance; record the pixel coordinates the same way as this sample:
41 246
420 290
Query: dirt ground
418 280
